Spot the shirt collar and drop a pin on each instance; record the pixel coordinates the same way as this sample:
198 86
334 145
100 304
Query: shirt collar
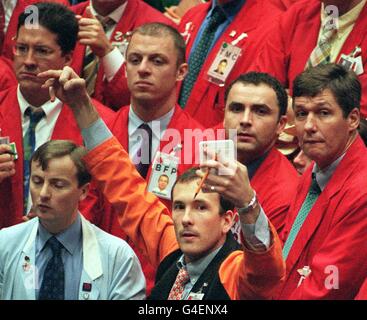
323 176
162 122
114 15
255 164
196 268
69 238
348 18
49 107
230 9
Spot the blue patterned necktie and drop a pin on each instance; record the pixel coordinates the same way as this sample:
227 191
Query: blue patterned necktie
53 284
29 144
145 150
307 205
200 53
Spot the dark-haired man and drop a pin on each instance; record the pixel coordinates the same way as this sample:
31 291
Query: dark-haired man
9 13
256 104
59 255
325 234
27 115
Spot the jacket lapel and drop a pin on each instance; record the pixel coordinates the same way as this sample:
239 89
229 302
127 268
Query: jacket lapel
27 270
92 264
11 125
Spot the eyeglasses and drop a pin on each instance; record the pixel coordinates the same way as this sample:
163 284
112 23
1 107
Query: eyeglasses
41 52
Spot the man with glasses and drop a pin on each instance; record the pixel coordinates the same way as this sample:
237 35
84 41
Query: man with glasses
9 13
27 115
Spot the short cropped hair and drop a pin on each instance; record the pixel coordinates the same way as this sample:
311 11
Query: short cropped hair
343 84
157 29
189 176
57 19
258 78
59 148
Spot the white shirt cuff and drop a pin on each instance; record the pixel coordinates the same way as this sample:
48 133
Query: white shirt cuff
112 62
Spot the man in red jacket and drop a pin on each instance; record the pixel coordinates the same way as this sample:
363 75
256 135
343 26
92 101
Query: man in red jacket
256 104
105 28
155 63
12 10
35 50
295 41
325 233
234 30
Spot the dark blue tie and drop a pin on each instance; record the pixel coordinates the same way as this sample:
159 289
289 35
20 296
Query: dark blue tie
145 151
29 144
53 279
200 53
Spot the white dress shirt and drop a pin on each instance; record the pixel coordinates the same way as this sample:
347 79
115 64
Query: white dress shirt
112 61
46 125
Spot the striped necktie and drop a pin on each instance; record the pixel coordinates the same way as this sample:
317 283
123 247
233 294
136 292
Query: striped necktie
307 205
29 143
321 53
91 60
200 53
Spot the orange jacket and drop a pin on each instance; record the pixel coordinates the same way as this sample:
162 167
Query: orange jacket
244 274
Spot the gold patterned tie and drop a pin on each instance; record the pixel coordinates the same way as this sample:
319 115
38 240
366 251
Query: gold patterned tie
321 53
91 61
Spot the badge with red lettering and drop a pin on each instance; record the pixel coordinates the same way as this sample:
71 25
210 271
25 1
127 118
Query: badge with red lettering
223 63
353 61
164 174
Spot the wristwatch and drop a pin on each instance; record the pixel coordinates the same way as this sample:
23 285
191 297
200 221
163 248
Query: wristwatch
251 205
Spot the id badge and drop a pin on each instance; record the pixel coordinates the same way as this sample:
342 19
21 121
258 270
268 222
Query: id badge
223 63
121 41
195 296
358 66
164 175
347 62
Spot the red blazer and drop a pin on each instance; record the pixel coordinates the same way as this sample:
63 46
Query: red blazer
362 294
294 37
13 23
180 121
7 76
332 240
11 189
206 102
107 219
116 93
275 183
285 4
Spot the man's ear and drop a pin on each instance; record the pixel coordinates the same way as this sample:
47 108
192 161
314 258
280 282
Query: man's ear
84 191
68 58
182 71
281 124
354 119
228 219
